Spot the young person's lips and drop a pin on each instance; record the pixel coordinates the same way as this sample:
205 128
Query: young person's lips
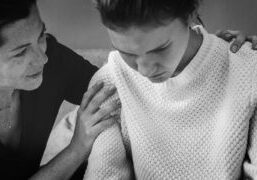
157 76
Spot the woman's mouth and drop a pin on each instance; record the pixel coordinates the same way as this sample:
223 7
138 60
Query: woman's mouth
35 75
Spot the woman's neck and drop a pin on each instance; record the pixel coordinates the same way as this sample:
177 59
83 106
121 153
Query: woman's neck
6 97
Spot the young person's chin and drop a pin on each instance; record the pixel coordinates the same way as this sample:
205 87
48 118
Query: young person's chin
160 79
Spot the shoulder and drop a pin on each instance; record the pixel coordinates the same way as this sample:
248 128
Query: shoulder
106 72
247 53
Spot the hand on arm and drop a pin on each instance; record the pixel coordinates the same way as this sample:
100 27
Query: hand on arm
238 38
90 122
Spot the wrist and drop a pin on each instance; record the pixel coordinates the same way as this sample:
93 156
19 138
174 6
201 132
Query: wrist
78 150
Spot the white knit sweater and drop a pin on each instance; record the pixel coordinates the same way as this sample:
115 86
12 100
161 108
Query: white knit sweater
200 124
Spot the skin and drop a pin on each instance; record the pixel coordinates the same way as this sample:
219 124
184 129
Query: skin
22 56
157 52
22 60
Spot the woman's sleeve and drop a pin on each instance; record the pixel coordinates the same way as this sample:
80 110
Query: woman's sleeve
250 163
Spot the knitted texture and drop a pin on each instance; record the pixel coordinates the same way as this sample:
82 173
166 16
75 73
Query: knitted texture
200 124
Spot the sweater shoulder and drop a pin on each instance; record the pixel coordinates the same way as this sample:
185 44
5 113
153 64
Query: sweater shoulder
105 73
246 53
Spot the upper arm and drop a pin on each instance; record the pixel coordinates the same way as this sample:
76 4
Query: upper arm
108 159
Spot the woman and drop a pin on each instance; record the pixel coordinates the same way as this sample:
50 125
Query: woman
188 103
36 75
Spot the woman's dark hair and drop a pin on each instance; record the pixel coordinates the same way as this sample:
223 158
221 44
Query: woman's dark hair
122 14
13 10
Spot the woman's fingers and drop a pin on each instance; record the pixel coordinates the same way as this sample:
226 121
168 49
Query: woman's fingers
102 125
238 42
253 40
239 39
99 98
105 112
225 35
87 97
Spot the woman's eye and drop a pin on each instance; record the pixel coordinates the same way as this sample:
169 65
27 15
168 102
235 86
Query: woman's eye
21 53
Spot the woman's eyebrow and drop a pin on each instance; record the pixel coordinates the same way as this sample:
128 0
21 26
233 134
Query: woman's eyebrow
27 44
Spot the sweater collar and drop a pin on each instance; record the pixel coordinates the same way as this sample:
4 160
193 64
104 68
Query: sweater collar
198 61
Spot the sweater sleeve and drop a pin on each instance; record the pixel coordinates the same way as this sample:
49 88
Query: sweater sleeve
108 158
250 163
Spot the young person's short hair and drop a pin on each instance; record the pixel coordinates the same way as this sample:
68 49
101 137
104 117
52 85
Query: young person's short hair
122 14
12 11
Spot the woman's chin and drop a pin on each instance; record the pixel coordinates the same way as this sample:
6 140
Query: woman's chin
33 84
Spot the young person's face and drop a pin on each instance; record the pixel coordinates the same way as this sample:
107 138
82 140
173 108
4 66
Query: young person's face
154 52
22 55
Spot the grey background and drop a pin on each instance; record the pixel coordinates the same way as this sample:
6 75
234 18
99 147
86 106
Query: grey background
77 24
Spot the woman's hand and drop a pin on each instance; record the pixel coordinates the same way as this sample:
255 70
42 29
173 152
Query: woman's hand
91 119
239 39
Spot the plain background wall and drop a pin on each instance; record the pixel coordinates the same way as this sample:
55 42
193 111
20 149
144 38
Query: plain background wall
77 24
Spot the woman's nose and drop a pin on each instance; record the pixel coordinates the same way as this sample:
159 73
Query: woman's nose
40 58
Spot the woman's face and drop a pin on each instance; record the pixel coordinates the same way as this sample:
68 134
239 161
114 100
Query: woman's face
154 52
22 54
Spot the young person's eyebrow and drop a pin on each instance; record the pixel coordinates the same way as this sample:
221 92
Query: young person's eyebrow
122 51
167 43
160 47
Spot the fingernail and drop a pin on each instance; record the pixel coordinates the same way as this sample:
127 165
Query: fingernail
118 102
227 35
112 89
99 83
234 48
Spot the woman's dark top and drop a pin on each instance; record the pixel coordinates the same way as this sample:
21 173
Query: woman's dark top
65 77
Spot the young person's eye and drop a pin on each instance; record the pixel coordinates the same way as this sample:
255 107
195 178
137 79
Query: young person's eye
21 53
162 49
127 56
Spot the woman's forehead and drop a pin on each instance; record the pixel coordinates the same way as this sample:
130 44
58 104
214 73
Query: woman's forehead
21 30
